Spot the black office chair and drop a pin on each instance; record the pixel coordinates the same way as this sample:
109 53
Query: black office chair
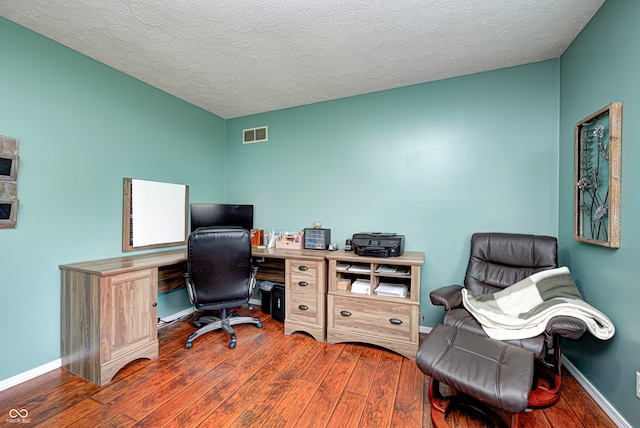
220 275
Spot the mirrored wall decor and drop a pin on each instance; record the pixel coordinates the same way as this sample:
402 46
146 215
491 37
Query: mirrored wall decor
8 182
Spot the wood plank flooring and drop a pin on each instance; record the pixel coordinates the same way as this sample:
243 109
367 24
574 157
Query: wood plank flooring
269 380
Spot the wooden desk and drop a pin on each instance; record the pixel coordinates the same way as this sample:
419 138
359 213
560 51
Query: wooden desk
305 284
109 306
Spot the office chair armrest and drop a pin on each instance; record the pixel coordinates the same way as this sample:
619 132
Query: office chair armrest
569 327
450 297
252 278
189 286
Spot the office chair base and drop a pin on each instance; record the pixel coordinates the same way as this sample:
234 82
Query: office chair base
211 323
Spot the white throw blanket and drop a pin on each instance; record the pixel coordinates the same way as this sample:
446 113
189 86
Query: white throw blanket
523 309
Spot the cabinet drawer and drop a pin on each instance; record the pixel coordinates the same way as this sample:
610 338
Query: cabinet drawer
304 283
384 319
306 275
304 268
305 307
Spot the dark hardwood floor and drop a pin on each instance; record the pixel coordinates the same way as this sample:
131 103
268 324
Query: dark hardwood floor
269 380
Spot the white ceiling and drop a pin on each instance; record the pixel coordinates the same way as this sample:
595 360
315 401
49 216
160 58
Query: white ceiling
240 57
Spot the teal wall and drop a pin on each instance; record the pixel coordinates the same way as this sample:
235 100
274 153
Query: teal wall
82 127
435 162
602 66
438 161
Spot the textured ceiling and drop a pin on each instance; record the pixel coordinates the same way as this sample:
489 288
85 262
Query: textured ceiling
239 57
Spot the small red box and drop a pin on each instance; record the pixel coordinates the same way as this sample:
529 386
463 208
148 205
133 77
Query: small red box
257 237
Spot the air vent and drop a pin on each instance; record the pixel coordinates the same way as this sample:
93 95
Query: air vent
255 135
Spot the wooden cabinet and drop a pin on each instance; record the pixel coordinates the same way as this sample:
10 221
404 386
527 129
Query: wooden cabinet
109 313
357 313
128 319
305 297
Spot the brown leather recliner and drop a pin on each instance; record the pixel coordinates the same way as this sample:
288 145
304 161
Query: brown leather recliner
497 261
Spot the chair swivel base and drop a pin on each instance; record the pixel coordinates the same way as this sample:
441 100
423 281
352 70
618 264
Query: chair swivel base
442 406
211 323
485 373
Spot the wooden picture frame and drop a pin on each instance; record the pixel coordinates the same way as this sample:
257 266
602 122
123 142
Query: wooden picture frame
8 213
597 169
8 182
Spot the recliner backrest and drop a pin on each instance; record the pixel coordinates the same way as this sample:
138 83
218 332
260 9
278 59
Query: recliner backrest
219 264
499 260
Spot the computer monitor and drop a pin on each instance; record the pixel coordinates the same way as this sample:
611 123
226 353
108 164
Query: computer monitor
205 215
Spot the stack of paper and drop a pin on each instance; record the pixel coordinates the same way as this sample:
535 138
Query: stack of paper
359 268
391 269
361 286
387 269
391 290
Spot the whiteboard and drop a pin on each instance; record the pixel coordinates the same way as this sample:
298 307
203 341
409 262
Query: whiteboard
156 215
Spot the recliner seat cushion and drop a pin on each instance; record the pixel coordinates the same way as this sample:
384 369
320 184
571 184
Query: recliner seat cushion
462 319
488 370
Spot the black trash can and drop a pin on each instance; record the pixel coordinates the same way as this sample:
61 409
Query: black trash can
266 288
277 302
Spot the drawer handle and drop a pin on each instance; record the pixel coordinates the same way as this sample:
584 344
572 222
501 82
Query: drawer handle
395 321
303 283
303 307
345 313
303 268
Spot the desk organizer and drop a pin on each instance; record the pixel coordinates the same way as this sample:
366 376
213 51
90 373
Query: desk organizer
290 240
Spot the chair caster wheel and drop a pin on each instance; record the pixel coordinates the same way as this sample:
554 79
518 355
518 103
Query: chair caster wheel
188 345
232 345
259 325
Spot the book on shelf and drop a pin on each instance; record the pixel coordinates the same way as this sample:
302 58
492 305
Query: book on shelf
361 286
391 290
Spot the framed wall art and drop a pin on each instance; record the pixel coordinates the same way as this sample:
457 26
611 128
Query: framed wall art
8 182
597 163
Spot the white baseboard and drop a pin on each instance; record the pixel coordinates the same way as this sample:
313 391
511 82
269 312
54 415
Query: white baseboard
30 374
595 394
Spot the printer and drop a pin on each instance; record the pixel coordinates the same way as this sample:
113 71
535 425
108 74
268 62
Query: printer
377 244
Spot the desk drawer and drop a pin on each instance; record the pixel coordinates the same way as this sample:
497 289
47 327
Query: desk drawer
305 283
383 319
305 307
306 275
304 268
